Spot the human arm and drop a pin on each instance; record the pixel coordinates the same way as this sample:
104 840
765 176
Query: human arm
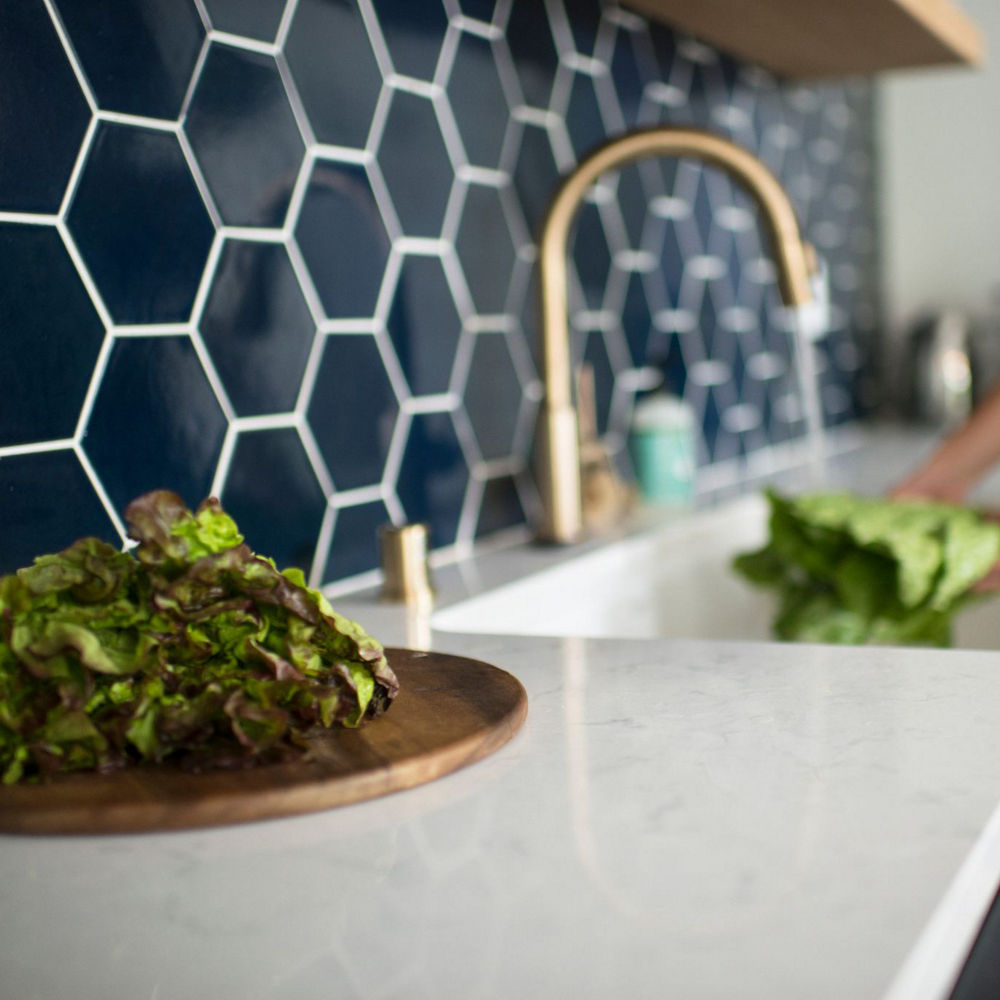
962 459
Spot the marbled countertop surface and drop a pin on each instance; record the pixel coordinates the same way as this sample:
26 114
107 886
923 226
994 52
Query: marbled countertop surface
677 819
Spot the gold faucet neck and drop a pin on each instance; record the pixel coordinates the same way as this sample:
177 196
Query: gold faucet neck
559 479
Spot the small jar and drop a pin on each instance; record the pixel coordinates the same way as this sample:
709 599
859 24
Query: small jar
662 446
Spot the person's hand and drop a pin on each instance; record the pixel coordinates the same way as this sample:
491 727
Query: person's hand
929 483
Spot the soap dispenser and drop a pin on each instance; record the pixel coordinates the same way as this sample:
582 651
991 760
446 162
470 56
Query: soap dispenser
662 446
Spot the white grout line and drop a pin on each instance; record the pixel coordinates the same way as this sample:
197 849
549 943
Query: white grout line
85 276
359 495
77 172
440 402
29 218
36 447
98 487
321 553
316 460
285 25
199 65
74 61
243 42
224 462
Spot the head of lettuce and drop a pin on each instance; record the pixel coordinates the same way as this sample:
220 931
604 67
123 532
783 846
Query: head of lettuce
188 647
856 570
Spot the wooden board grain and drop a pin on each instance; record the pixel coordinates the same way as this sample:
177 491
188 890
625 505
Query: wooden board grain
451 711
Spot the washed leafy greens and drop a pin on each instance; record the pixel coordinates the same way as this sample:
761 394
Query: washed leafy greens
855 570
188 647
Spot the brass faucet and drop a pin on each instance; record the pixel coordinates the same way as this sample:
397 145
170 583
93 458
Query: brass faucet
558 444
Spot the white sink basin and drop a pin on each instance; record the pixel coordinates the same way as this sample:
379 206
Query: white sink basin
674 582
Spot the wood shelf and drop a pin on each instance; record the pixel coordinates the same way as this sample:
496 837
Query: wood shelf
823 38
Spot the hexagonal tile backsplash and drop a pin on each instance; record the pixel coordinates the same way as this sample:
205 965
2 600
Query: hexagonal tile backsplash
283 252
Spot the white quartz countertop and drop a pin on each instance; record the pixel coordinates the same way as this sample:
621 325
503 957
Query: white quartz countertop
677 819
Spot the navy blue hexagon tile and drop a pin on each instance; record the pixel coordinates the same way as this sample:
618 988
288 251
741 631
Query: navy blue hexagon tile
424 324
51 336
244 136
413 34
343 239
591 254
636 319
272 492
353 410
433 476
43 113
595 354
320 29
478 101
419 185
517 89
138 56
354 546
488 264
479 10
493 395
257 327
535 175
584 17
155 422
141 225
48 503
500 507
260 19
583 116
533 46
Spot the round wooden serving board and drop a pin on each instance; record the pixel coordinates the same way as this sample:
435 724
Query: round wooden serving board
450 711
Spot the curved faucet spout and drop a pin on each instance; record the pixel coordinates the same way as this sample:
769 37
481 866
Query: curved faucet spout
558 445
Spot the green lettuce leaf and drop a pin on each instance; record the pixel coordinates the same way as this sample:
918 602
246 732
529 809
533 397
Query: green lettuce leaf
189 647
850 569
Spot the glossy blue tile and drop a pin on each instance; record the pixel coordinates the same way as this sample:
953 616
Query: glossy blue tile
415 164
259 19
156 423
583 116
343 239
500 507
244 136
632 202
480 10
141 225
493 395
334 68
636 319
424 325
630 77
536 60
354 547
433 476
485 249
478 101
272 492
51 336
536 175
353 410
138 55
584 18
257 327
43 113
48 503
413 33
596 355
591 254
